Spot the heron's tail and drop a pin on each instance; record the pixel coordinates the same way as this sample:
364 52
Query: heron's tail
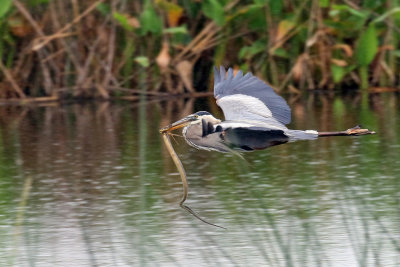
295 135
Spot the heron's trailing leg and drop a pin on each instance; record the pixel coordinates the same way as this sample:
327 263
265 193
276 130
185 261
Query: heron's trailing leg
352 131
182 173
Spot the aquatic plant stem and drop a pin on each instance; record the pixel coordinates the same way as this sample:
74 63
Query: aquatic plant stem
364 77
178 165
182 173
349 132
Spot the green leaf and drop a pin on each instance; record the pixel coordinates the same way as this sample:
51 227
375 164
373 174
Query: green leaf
104 9
215 11
142 61
367 46
150 22
370 4
382 17
324 3
256 18
123 20
280 52
176 30
167 6
5 7
338 73
396 53
276 7
249 51
338 8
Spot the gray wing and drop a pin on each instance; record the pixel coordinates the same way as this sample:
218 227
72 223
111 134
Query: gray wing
248 98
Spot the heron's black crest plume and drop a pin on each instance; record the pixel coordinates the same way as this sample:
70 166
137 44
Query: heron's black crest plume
202 113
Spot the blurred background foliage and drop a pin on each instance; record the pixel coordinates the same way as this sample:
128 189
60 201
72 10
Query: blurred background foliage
57 49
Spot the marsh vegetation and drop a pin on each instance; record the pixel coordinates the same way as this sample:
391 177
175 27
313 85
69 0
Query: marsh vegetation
58 49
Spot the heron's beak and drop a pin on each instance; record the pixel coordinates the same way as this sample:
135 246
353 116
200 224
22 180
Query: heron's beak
178 124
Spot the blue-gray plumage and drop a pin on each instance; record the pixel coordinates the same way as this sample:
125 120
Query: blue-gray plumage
255 117
251 86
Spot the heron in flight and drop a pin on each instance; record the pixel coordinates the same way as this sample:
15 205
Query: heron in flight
255 118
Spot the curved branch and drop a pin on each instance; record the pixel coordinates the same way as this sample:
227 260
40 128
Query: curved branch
182 173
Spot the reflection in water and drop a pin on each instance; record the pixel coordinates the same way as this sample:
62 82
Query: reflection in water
92 185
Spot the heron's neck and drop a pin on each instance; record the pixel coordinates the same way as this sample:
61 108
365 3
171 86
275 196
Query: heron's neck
191 133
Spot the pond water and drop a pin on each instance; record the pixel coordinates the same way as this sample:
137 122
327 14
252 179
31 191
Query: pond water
93 185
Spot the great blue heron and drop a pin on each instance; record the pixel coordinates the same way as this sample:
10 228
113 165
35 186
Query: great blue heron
255 117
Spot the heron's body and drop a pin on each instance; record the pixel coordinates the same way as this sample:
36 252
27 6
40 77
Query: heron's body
255 117
210 133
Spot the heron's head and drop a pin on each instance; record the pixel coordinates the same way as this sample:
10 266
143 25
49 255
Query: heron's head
193 119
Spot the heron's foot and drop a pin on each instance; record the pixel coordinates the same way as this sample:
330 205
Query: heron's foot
358 131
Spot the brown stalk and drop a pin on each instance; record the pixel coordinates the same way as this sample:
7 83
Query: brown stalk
40 44
111 51
10 78
199 47
217 39
271 32
185 71
42 54
33 100
58 36
23 67
21 8
355 131
102 91
103 65
55 19
135 91
379 60
208 30
389 72
83 73
94 55
75 9
279 43
55 54
182 173
130 98
286 80
48 83
325 54
310 33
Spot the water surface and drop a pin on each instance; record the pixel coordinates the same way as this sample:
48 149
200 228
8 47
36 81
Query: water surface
92 185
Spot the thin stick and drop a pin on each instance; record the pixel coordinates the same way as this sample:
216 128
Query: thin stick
67 26
182 173
352 131
48 84
12 81
21 8
111 50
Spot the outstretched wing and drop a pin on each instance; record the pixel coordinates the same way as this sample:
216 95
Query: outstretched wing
248 98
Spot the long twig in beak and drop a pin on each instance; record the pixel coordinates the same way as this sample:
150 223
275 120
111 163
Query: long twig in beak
178 124
182 173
